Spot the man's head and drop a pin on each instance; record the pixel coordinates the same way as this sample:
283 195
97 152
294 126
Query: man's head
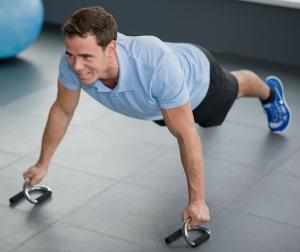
90 35
92 20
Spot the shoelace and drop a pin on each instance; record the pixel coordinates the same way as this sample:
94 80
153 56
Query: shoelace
276 109
276 112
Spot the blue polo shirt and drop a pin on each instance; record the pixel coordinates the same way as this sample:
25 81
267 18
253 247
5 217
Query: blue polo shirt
152 75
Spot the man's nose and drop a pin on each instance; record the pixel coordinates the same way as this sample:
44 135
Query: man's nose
77 65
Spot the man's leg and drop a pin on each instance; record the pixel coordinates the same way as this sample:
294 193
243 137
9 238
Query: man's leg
250 85
271 95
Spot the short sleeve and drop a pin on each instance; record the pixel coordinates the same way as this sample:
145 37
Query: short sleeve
66 75
169 87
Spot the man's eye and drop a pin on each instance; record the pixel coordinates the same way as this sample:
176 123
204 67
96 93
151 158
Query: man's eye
86 57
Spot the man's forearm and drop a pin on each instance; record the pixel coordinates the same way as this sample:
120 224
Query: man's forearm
56 126
193 162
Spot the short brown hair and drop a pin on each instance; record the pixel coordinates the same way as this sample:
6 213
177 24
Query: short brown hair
94 20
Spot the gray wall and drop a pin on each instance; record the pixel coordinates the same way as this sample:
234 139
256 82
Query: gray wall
248 29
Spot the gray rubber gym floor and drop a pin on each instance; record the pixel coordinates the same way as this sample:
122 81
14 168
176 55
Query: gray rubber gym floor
118 184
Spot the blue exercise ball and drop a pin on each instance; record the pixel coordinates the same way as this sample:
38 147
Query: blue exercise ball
20 24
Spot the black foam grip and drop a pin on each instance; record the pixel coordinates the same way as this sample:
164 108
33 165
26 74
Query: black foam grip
204 237
173 236
44 196
16 198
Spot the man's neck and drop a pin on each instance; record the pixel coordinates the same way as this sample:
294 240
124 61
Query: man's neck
113 74
110 83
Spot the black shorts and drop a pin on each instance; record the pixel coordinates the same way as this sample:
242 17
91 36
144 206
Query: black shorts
221 94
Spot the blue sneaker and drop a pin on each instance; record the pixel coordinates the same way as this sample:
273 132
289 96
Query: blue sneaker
278 112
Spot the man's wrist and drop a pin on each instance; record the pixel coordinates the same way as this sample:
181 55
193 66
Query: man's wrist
42 165
196 195
199 201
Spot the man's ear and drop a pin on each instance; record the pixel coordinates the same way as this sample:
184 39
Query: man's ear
111 48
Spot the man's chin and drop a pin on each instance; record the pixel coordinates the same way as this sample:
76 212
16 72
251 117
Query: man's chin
87 81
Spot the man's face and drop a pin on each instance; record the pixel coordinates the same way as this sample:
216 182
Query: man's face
87 58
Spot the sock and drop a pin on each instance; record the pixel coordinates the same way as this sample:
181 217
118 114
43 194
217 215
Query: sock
270 98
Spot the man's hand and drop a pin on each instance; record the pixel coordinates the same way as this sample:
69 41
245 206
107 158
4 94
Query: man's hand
198 212
35 174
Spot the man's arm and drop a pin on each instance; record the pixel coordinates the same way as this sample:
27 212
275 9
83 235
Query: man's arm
58 121
180 122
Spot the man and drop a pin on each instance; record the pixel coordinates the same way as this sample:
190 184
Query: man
173 84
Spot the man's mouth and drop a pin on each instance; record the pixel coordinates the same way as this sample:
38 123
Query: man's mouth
83 75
